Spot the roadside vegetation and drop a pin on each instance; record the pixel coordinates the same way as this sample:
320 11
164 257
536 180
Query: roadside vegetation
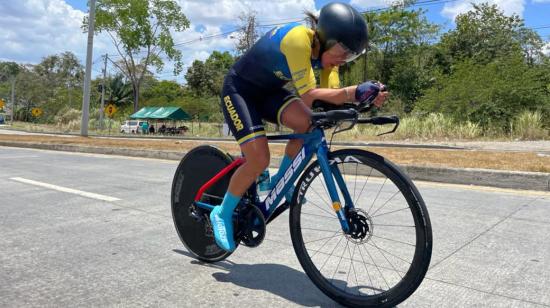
487 78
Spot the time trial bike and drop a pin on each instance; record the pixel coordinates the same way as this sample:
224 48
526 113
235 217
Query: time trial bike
359 226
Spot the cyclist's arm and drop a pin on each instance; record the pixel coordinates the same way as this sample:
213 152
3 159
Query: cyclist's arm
296 46
335 96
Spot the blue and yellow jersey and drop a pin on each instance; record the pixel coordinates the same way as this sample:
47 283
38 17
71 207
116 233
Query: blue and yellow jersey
282 55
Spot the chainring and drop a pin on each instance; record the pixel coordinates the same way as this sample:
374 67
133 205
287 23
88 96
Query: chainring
250 228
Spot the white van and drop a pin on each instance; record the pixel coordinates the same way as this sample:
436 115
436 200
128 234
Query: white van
132 127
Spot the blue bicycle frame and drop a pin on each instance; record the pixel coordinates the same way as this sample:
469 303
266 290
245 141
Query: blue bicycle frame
314 143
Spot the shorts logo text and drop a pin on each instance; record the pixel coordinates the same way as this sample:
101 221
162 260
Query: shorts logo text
233 113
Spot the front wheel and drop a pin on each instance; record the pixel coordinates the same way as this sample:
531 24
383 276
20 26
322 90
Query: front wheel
384 260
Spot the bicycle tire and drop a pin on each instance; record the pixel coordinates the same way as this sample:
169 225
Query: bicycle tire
422 238
195 169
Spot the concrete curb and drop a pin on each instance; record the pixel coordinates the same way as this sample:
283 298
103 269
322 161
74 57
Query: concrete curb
484 177
231 139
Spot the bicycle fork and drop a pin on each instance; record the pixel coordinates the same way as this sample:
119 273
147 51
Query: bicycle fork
330 174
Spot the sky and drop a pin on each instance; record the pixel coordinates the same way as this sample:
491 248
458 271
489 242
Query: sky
33 29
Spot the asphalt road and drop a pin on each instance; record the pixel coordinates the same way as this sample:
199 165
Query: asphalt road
93 230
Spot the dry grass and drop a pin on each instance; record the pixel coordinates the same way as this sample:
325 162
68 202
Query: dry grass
500 160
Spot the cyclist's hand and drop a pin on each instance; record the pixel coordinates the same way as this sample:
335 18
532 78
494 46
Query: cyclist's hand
371 92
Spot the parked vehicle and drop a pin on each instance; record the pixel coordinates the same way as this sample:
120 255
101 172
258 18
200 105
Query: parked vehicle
132 127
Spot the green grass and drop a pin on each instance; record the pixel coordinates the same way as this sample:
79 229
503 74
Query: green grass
435 126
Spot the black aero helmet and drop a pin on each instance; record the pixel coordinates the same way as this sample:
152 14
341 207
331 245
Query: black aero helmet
341 23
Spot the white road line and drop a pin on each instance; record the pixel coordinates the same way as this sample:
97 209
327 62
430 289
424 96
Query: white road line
18 157
67 190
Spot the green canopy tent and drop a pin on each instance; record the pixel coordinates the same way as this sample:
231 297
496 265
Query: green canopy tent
162 114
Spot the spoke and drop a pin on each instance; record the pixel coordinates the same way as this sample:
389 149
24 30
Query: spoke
387 239
346 258
365 265
402 226
390 253
366 181
378 194
328 239
395 194
320 196
321 208
330 255
351 255
323 230
355 183
325 188
317 215
340 261
324 238
378 268
405 208
391 264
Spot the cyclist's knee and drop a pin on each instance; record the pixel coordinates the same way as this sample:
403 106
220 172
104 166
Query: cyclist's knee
257 157
297 117
261 162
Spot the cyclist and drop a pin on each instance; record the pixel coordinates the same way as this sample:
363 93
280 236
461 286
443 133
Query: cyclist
254 90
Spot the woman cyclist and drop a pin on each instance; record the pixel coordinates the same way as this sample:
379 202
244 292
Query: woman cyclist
254 90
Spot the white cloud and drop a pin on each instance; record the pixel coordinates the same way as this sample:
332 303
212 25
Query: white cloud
33 29
546 49
451 10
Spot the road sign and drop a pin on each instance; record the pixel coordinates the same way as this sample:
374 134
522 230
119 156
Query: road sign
2 103
36 112
110 110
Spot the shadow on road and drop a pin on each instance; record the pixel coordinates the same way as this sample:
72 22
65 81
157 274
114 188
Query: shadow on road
281 280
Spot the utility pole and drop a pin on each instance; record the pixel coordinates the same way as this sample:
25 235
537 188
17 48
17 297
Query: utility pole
86 96
13 105
101 110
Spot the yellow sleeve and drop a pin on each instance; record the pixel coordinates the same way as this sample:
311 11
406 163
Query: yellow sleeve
296 46
330 78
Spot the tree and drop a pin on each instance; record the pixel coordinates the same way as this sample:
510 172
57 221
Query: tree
206 78
163 92
392 33
400 54
32 92
119 91
58 72
9 72
248 32
485 34
140 31
489 94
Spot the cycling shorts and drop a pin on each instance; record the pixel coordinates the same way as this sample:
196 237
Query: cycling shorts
244 105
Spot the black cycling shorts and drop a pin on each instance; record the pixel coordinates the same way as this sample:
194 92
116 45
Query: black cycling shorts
244 105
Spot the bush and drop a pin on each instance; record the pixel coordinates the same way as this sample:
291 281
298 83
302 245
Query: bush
528 126
67 115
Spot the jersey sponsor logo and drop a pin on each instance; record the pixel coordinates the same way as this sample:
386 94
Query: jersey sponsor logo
233 113
282 76
299 74
288 175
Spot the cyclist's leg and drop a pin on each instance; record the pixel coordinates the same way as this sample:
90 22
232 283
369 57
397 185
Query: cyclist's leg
245 124
287 109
